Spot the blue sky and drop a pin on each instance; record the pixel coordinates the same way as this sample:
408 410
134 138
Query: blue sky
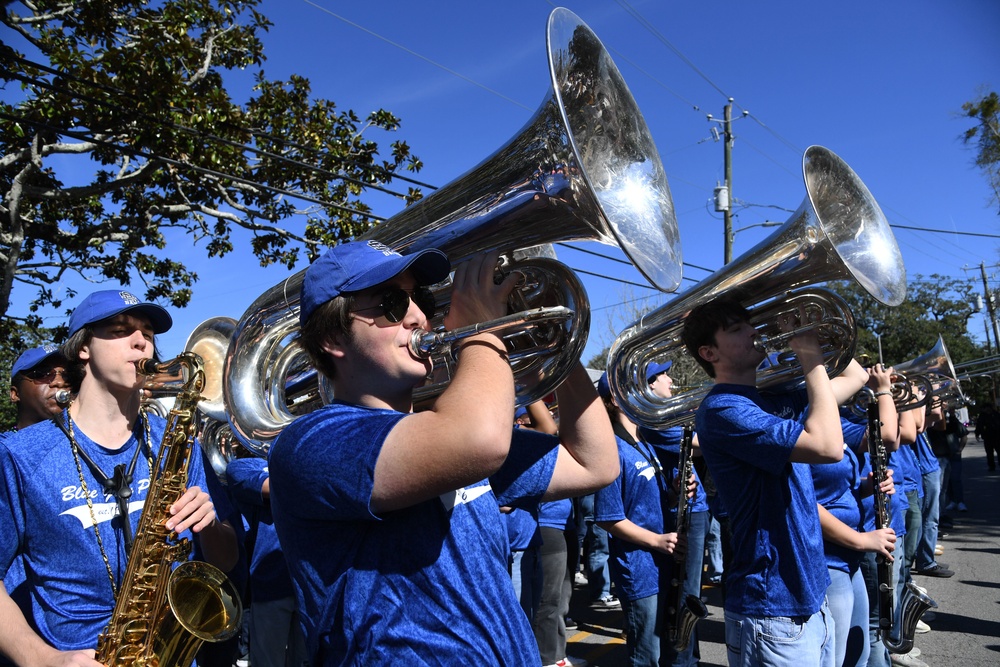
880 84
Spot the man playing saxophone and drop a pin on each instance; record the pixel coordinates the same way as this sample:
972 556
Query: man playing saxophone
754 445
389 519
72 489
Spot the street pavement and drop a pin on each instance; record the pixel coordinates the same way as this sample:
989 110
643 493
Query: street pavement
964 633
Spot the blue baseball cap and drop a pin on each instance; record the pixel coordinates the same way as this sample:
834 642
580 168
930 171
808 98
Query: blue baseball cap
520 412
108 303
352 267
602 386
31 358
655 369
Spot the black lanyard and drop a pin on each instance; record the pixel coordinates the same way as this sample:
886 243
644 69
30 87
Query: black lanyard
118 485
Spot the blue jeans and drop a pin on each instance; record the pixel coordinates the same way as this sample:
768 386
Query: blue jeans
848 600
878 654
713 542
595 551
526 575
780 641
697 532
914 526
945 463
643 631
924 557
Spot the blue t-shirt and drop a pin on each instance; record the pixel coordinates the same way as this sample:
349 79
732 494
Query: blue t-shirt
556 514
522 529
47 521
926 461
636 495
747 438
854 435
836 487
269 578
907 471
414 586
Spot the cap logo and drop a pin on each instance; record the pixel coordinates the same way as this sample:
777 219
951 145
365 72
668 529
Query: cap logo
129 299
383 248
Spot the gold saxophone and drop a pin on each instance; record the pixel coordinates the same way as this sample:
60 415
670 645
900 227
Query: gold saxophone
683 611
162 613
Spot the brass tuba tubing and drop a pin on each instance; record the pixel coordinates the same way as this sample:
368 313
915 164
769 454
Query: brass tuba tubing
584 167
838 232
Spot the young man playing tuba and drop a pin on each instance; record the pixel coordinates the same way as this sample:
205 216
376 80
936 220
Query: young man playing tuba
755 445
390 519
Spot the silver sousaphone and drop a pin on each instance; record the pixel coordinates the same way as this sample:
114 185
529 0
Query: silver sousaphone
583 168
837 233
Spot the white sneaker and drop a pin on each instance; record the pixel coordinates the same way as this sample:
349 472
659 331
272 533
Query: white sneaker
580 579
922 627
906 660
915 651
608 602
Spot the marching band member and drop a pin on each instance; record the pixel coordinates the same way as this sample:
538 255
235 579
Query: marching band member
389 519
65 484
632 510
753 443
35 378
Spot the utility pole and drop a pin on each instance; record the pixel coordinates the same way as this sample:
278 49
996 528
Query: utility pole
990 306
724 193
727 215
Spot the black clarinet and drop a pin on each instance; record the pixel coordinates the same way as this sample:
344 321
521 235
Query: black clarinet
683 611
877 454
914 603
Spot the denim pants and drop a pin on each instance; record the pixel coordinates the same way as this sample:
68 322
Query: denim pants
780 641
643 630
924 557
914 526
526 575
595 551
878 654
945 463
848 600
713 543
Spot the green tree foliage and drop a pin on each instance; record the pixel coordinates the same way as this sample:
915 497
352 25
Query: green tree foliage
986 136
934 306
126 137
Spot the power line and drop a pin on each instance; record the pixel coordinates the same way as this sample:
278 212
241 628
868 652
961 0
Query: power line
417 55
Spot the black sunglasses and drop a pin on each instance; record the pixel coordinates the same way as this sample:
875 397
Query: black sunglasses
45 376
396 301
